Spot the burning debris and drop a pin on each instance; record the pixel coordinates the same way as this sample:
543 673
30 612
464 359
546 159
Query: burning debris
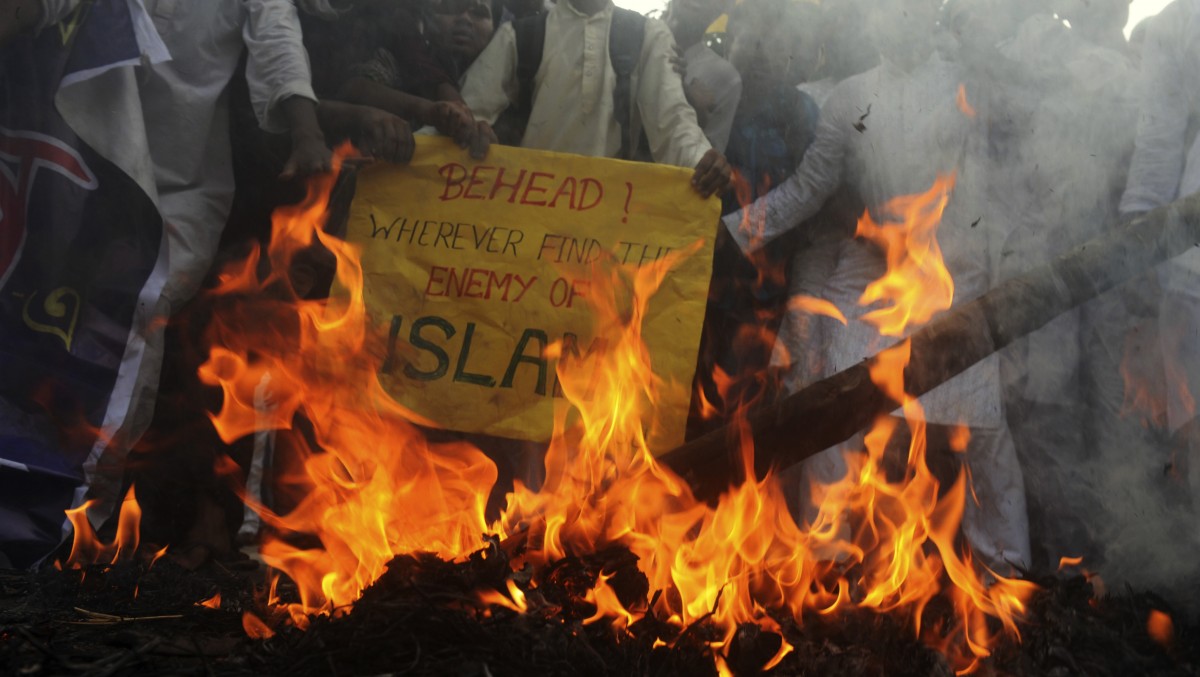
378 543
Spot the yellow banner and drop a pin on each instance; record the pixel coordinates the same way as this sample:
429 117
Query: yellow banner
479 266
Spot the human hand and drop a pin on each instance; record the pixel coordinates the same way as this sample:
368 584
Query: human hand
381 134
453 119
712 174
309 156
482 140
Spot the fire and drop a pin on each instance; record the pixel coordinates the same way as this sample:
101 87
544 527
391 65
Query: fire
963 104
1161 628
213 602
255 627
371 487
808 304
86 546
917 284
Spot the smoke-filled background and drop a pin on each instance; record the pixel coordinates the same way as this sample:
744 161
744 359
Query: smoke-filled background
1098 402
1138 9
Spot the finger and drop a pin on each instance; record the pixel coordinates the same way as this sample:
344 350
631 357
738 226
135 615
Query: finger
703 167
405 144
711 181
481 141
463 131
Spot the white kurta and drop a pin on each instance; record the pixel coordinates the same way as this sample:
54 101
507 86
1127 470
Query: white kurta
572 98
912 131
716 91
1057 184
1165 167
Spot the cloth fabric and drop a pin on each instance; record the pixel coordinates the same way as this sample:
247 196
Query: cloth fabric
180 153
715 89
572 101
1065 172
185 110
413 69
819 90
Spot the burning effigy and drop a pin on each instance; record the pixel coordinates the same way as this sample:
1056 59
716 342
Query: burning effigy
489 410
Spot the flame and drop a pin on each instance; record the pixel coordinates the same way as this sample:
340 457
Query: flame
213 602
963 104
808 304
1161 628
917 284
1064 562
255 627
1145 395
515 602
86 546
369 486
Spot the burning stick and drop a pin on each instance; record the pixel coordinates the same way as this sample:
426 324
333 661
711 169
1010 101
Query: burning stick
833 410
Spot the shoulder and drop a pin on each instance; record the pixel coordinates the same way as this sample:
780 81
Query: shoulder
657 34
708 66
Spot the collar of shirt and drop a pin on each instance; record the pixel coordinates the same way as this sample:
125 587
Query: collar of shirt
565 6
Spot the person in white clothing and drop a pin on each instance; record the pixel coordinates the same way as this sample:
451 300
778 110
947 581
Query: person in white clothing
890 132
166 123
572 103
711 83
1166 167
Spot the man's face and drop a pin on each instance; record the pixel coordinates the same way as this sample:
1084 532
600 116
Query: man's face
463 27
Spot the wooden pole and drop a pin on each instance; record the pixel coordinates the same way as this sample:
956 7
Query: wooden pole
831 411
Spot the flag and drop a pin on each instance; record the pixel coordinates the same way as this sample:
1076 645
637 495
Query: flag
79 255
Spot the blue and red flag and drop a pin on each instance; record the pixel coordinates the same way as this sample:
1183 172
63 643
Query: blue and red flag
79 246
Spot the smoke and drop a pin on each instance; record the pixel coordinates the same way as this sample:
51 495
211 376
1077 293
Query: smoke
1109 475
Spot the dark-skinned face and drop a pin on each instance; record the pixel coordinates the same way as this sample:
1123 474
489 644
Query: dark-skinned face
463 27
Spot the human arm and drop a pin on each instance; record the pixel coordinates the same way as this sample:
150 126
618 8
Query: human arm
722 94
1159 150
490 86
310 154
372 131
804 192
668 120
376 84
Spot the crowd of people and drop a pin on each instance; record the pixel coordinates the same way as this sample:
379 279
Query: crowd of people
800 116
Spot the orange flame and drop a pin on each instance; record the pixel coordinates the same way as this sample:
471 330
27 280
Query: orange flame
255 627
963 104
1161 628
917 283
1064 562
86 546
371 487
213 602
808 304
